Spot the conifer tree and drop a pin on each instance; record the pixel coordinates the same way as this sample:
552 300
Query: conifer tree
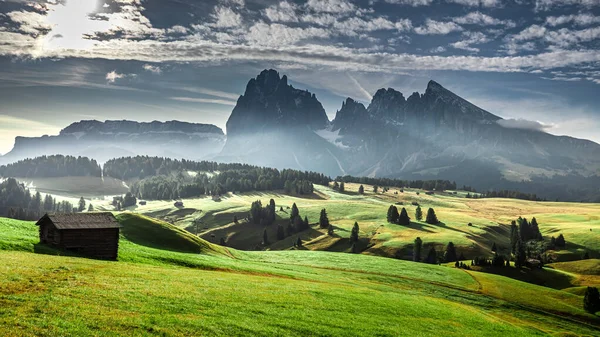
392 214
375 188
591 300
91 208
354 233
295 212
81 205
417 249
342 187
306 223
431 256
494 248
586 256
330 230
299 242
535 230
418 213
520 255
222 242
560 241
323 219
514 237
280 232
403 219
336 185
450 255
265 237
361 189
431 217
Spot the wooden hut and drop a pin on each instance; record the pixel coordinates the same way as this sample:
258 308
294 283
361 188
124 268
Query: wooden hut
91 234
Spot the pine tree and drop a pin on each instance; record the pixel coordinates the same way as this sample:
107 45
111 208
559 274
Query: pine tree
418 213
299 242
280 232
520 255
81 207
305 223
586 256
591 300
560 241
535 230
222 242
91 208
494 248
417 249
354 233
323 219
330 230
392 214
265 237
361 189
431 217
375 188
404 220
336 185
514 237
450 255
295 212
431 256
235 219
342 187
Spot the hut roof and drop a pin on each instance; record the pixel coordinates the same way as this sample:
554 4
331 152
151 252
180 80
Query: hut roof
83 220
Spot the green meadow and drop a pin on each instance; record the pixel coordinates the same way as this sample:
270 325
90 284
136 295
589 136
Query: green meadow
180 285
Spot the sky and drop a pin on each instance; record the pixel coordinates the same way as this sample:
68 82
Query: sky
535 63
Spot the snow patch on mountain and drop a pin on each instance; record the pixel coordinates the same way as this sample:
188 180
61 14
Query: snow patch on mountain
332 136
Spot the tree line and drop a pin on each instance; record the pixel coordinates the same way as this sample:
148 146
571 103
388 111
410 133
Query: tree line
52 166
17 202
438 185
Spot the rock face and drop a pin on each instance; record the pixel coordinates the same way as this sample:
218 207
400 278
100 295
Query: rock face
274 124
111 139
270 102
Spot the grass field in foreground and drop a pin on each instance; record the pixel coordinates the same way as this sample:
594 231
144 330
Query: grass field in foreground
490 219
166 288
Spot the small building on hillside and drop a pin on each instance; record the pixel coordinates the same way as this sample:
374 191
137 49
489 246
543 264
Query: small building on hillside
92 234
178 204
142 203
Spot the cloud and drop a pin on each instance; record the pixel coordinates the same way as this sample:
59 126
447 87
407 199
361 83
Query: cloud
478 18
151 68
113 76
524 124
544 5
413 3
211 92
282 12
204 100
226 18
433 27
331 6
577 19
477 3
30 22
471 38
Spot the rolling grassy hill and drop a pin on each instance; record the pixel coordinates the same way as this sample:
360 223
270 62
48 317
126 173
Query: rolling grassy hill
181 285
489 219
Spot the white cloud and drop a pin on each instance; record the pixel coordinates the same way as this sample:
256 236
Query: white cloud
433 27
439 49
577 19
282 12
413 3
277 35
226 18
331 6
204 100
470 38
477 3
152 68
544 5
530 33
30 22
524 124
478 18
113 76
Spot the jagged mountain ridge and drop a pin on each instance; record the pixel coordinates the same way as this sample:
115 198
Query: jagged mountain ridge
110 139
434 134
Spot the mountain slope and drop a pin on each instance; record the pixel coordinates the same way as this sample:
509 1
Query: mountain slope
111 139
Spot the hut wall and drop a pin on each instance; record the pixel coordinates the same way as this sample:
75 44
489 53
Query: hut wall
99 243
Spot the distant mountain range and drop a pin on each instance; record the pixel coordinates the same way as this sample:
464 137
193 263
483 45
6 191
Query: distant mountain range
432 135
106 140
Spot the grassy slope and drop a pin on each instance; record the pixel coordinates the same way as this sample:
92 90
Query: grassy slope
227 292
580 223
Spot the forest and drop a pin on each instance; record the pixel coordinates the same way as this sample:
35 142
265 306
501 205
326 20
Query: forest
17 202
52 166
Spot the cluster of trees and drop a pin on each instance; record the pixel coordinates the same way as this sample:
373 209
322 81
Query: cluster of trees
400 218
260 215
341 187
52 166
17 202
143 166
438 185
511 195
183 186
